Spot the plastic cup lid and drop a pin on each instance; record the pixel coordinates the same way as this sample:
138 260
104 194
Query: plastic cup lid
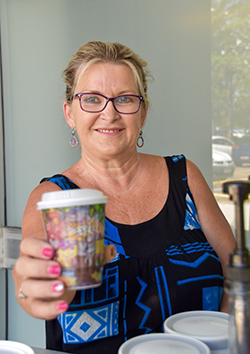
71 197
162 343
211 327
9 347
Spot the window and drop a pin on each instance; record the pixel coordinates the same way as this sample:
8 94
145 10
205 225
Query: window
230 90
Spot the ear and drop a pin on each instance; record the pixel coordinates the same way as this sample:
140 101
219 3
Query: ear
67 110
143 116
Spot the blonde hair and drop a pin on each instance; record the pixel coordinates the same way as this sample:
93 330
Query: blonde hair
105 52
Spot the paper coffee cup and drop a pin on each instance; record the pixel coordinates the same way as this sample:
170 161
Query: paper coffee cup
74 224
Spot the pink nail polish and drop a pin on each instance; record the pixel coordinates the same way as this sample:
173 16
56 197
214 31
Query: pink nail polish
57 288
47 252
54 269
62 306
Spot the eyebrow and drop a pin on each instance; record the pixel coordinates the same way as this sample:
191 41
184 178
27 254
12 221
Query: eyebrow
125 92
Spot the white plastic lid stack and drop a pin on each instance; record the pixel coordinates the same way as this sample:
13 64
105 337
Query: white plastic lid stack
71 197
10 347
163 343
210 327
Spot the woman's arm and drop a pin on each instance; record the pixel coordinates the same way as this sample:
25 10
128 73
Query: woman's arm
213 222
35 273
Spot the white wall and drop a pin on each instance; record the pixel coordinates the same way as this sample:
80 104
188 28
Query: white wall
38 39
2 221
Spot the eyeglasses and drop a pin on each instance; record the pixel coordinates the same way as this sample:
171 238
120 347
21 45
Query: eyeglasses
95 102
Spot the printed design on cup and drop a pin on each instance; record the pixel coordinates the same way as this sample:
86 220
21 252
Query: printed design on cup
77 235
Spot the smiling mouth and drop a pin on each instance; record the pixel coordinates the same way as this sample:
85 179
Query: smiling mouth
108 130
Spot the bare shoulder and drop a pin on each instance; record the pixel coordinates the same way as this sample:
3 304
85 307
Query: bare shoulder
193 171
42 188
152 161
198 184
154 168
204 198
213 222
32 224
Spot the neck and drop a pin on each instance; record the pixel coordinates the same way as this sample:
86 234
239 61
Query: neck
113 175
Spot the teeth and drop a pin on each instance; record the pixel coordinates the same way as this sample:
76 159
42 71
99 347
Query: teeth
109 131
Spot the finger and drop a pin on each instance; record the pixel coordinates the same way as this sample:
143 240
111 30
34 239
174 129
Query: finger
42 289
47 310
109 253
35 247
37 268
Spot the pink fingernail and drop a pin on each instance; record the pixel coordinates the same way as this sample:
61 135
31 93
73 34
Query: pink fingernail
47 252
54 269
62 306
57 288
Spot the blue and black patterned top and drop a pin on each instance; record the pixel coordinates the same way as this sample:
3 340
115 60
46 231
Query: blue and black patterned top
163 266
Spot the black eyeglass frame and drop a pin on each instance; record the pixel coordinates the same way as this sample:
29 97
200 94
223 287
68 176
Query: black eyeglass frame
112 99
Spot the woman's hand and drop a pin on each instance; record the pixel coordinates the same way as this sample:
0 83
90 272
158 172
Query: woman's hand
37 277
36 274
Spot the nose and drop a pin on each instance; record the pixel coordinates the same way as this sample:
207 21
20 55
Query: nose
109 111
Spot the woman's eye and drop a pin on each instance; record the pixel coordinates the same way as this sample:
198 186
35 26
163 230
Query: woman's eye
124 99
91 99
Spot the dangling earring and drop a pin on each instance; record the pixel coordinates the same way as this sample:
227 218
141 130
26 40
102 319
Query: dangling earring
73 140
140 141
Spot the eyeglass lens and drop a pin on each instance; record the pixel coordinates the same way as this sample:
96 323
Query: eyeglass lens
126 104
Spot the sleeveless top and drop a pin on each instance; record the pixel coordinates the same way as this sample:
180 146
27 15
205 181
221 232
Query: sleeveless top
163 266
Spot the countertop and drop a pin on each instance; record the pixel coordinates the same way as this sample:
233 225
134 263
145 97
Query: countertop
46 351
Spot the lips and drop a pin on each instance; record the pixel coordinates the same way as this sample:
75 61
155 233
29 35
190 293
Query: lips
109 131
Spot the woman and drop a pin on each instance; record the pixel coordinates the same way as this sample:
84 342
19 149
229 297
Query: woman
167 241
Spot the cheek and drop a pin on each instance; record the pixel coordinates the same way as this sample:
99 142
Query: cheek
84 122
